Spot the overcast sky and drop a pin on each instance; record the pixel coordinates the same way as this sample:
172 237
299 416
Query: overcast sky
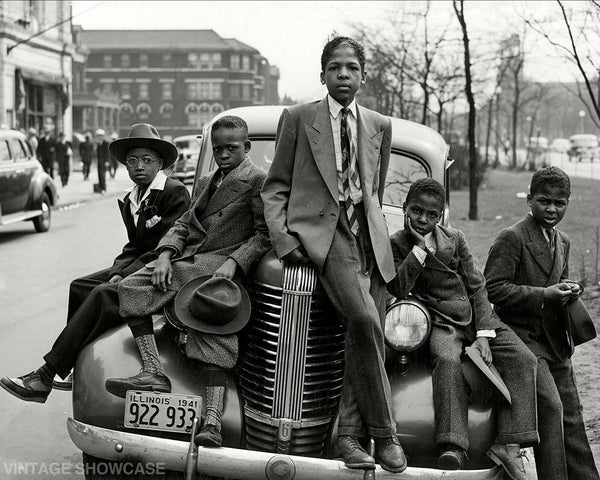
290 34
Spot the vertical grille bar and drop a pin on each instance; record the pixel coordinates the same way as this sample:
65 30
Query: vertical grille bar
299 282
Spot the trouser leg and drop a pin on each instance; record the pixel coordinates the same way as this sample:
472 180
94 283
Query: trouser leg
98 313
449 390
81 287
517 365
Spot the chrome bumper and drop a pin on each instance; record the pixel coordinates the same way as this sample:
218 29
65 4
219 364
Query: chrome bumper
238 463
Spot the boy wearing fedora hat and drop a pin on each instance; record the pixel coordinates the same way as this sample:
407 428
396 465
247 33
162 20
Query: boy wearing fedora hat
148 212
223 234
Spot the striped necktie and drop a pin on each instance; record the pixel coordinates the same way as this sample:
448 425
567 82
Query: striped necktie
550 233
348 170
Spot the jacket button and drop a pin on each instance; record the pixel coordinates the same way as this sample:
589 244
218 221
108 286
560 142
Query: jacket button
220 214
463 298
321 213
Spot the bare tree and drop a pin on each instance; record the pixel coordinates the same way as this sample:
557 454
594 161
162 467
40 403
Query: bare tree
473 170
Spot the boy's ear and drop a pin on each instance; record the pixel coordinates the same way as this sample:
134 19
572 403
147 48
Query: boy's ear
363 79
322 77
529 199
247 145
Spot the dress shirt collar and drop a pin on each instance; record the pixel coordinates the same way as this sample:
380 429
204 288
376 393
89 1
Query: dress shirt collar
335 108
157 184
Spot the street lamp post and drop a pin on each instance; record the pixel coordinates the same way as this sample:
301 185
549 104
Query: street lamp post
581 117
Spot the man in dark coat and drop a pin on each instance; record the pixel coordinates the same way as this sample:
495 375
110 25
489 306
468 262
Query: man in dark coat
45 151
103 156
148 211
86 150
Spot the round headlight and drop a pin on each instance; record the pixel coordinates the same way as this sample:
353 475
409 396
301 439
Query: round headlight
407 325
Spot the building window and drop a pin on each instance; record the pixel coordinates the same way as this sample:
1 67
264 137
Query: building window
205 60
192 91
166 112
167 91
205 114
217 108
235 61
205 90
143 91
125 60
107 61
143 110
217 91
126 114
235 91
107 88
245 62
167 60
192 59
125 91
143 60
247 91
216 60
191 110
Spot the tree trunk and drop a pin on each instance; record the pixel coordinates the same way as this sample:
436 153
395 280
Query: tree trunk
473 170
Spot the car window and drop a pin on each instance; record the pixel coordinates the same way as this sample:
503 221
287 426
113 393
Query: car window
182 145
402 172
262 153
4 152
18 149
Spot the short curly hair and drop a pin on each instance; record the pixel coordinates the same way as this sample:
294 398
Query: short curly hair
550 177
231 122
334 42
427 186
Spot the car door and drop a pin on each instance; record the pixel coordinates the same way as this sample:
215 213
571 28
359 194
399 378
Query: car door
7 175
25 167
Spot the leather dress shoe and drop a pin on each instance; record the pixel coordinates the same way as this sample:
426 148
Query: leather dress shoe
452 458
144 381
510 459
389 454
209 436
28 387
353 454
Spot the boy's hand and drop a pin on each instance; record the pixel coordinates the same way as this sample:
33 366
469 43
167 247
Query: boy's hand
162 273
576 290
298 256
483 345
558 293
416 236
227 270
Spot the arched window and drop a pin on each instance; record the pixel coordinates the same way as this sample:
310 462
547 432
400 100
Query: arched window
192 111
205 114
143 110
166 111
126 116
217 108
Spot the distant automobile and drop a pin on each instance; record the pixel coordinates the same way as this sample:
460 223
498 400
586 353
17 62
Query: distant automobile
539 144
560 145
26 191
188 147
583 146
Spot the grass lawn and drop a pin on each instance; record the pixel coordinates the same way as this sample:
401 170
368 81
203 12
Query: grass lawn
499 206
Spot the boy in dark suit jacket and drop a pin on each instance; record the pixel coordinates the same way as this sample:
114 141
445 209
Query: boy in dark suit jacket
435 265
148 212
222 234
526 272
322 200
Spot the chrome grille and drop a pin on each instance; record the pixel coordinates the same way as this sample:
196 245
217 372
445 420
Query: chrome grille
292 370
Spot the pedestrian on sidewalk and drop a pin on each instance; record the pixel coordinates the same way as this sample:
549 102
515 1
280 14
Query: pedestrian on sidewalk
63 153
113 163
103 156
86 150
45 150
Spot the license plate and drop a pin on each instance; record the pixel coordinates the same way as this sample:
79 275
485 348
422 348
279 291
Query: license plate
161 411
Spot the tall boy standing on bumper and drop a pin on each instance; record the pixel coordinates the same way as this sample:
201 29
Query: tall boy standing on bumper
322 201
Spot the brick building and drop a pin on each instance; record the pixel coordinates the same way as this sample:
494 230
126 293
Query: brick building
176 79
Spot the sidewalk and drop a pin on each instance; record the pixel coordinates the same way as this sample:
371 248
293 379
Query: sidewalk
79 191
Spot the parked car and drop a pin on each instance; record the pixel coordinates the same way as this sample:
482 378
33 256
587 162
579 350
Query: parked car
282 398
188 147
560 145
27 192
583 146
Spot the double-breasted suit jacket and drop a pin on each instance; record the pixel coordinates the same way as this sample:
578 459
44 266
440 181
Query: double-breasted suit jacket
301 191
168 204
448 282
230 223
520 266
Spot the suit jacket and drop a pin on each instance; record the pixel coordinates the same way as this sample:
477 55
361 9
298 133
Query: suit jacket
45 150
301 190
519 266
170 204
449 282
228 224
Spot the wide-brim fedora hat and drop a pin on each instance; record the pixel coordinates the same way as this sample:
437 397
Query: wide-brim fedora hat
143 135
213 305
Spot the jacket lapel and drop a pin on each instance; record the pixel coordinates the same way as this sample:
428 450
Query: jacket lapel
232 186
538 246
320 138
369 143
125 206
559 259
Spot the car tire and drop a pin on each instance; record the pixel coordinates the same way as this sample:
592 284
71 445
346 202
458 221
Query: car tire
95 468
42 222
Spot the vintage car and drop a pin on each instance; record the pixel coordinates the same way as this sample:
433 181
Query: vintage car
282 398
188 147
26 191
583 146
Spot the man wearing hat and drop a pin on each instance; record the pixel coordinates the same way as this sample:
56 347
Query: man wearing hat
222 235
149 210
103 157
45 150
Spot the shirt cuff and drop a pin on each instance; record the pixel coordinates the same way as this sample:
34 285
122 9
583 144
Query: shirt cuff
420 254
486 333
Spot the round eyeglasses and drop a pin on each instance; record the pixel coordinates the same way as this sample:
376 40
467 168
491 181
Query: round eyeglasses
134 161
